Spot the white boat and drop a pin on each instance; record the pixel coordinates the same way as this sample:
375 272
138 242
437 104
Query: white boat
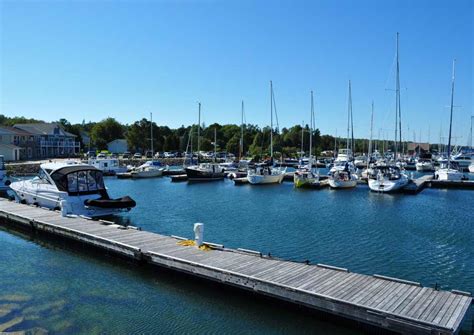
447 172
463 160
108 165
72 187
149 169
305 176
342 179
387 178
360 161
424 165
267 174
471 168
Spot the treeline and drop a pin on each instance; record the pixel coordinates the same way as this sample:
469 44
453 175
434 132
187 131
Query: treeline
256 140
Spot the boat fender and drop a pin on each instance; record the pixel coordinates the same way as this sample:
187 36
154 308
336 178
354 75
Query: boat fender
64 208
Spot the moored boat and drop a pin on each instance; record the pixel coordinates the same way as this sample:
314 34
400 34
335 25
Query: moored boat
388 178
73 187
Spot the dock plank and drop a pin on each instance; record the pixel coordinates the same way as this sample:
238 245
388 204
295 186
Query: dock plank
386 302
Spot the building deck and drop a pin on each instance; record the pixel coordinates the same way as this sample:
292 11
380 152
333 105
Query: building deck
389 303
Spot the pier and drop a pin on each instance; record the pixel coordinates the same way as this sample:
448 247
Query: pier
388 303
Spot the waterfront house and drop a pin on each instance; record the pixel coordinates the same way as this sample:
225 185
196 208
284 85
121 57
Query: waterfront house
415 148
9 143
47 140
118 146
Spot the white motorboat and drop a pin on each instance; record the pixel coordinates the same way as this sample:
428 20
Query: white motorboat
463 160
424 165
149 169
361 161
108 165
387 178
74 188
266 175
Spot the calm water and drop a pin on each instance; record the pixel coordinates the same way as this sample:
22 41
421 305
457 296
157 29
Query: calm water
427 238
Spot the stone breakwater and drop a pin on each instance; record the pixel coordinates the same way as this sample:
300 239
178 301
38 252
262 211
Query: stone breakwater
30 168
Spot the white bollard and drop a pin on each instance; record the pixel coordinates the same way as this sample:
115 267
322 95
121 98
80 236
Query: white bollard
63 208
198 233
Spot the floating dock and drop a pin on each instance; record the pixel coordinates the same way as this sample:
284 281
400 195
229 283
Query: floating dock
417 185
389 303
179 177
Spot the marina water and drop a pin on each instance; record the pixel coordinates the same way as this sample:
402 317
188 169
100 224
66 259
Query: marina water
426 238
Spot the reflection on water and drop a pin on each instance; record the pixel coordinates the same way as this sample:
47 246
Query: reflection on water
426 238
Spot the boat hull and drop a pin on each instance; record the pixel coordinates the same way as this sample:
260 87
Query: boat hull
449 174
333 183
387 186
26 192
147 173
256 179
202 175
424 167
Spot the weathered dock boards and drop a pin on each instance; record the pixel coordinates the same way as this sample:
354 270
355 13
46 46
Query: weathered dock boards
389 303
417 185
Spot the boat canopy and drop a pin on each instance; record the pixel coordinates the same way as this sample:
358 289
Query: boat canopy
79 180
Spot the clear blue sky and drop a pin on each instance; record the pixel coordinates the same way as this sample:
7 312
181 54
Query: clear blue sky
124 59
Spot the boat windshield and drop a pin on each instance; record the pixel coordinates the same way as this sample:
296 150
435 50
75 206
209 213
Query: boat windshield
79 181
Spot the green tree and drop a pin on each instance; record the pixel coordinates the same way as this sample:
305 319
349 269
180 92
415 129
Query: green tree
105 131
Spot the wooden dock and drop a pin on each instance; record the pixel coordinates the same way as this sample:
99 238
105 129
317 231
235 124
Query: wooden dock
389 303
179 177
417 185
461 184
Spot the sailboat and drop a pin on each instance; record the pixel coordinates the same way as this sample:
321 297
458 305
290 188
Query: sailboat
205 171
343 174
267 174
305 176
389 178
448 172
149 169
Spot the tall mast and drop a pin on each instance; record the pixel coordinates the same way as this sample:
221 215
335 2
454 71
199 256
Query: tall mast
151 135
199 129
348 115
302 140
369 151
398 111
352 125
335 144
451 116
271 120
241 149
215 143
311 133
470 134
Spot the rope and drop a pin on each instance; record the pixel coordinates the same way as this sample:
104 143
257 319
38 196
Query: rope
191 243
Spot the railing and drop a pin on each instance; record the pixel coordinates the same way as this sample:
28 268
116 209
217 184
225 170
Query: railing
60 144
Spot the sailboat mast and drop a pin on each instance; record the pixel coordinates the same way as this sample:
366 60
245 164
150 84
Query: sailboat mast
397 103
348 116
241 149
215 143
271 120
199 129
451 116
352 124
369 151
151 135
311 133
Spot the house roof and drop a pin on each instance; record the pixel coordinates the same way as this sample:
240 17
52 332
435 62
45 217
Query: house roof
43 129
121 140
5 130
413 146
